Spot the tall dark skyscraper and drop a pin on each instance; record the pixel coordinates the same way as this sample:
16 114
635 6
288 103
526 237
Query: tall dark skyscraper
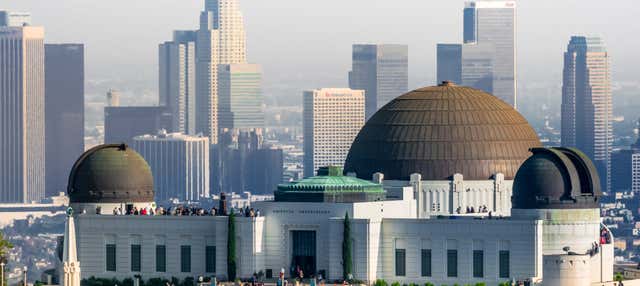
382 71
64 112
587 103
449 63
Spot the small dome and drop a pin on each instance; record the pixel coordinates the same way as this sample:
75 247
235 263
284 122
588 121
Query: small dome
556 178
439 131
330 185
110 173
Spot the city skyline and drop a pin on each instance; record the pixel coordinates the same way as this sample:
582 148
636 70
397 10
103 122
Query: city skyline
589 17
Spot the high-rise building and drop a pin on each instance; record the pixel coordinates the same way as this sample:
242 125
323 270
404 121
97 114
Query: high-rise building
177 80
241 163
64 112
625 169
587 103
494 23
123 123
179 164
227 19
207 41
449 63
382 71
113 98
14 19
477 66
240 99
332 117
22 147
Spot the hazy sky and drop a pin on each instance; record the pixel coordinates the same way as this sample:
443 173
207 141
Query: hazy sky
308 42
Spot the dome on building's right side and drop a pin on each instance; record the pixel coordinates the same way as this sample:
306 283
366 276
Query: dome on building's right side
556 178
439 131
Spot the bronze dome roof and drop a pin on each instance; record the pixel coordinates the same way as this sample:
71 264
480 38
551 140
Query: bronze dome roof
110 173
556 178
439 131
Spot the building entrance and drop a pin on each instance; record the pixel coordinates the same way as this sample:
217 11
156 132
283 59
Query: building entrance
303 252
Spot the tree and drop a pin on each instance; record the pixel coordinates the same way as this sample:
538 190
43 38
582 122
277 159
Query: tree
231 248
347 263
5 245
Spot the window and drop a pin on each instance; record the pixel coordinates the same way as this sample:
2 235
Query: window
185 258
136 254
478 263
401 255
210 254
111 257
426 262
161 258
452 263
504 264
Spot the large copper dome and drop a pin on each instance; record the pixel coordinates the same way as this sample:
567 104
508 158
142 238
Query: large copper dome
110 173
439 131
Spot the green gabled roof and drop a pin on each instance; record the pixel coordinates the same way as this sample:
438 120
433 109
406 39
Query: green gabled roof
331 180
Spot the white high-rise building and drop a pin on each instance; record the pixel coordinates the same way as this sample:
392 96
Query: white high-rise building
179 164
227 19
332 118
207 41
22 158
177 80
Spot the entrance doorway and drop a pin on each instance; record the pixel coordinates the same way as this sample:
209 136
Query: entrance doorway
303 252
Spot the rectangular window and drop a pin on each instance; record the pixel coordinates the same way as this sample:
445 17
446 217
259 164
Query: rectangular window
504 264
161 258
478 263
185 258
426 262
136 257
210 253
111 257
452 263
401 255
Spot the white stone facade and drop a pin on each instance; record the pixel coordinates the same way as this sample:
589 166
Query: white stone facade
390 241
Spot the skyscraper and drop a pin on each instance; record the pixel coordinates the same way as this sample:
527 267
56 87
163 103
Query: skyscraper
207 60
122 123
22 150
243 163
64 112
449 63
14 19
332 117
177 80
179 164
240 99
227 19
113 98
494 23
382 71
587 103
488 55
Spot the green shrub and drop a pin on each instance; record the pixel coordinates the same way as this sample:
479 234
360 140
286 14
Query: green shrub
481 284
395 283
381 282
429 284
